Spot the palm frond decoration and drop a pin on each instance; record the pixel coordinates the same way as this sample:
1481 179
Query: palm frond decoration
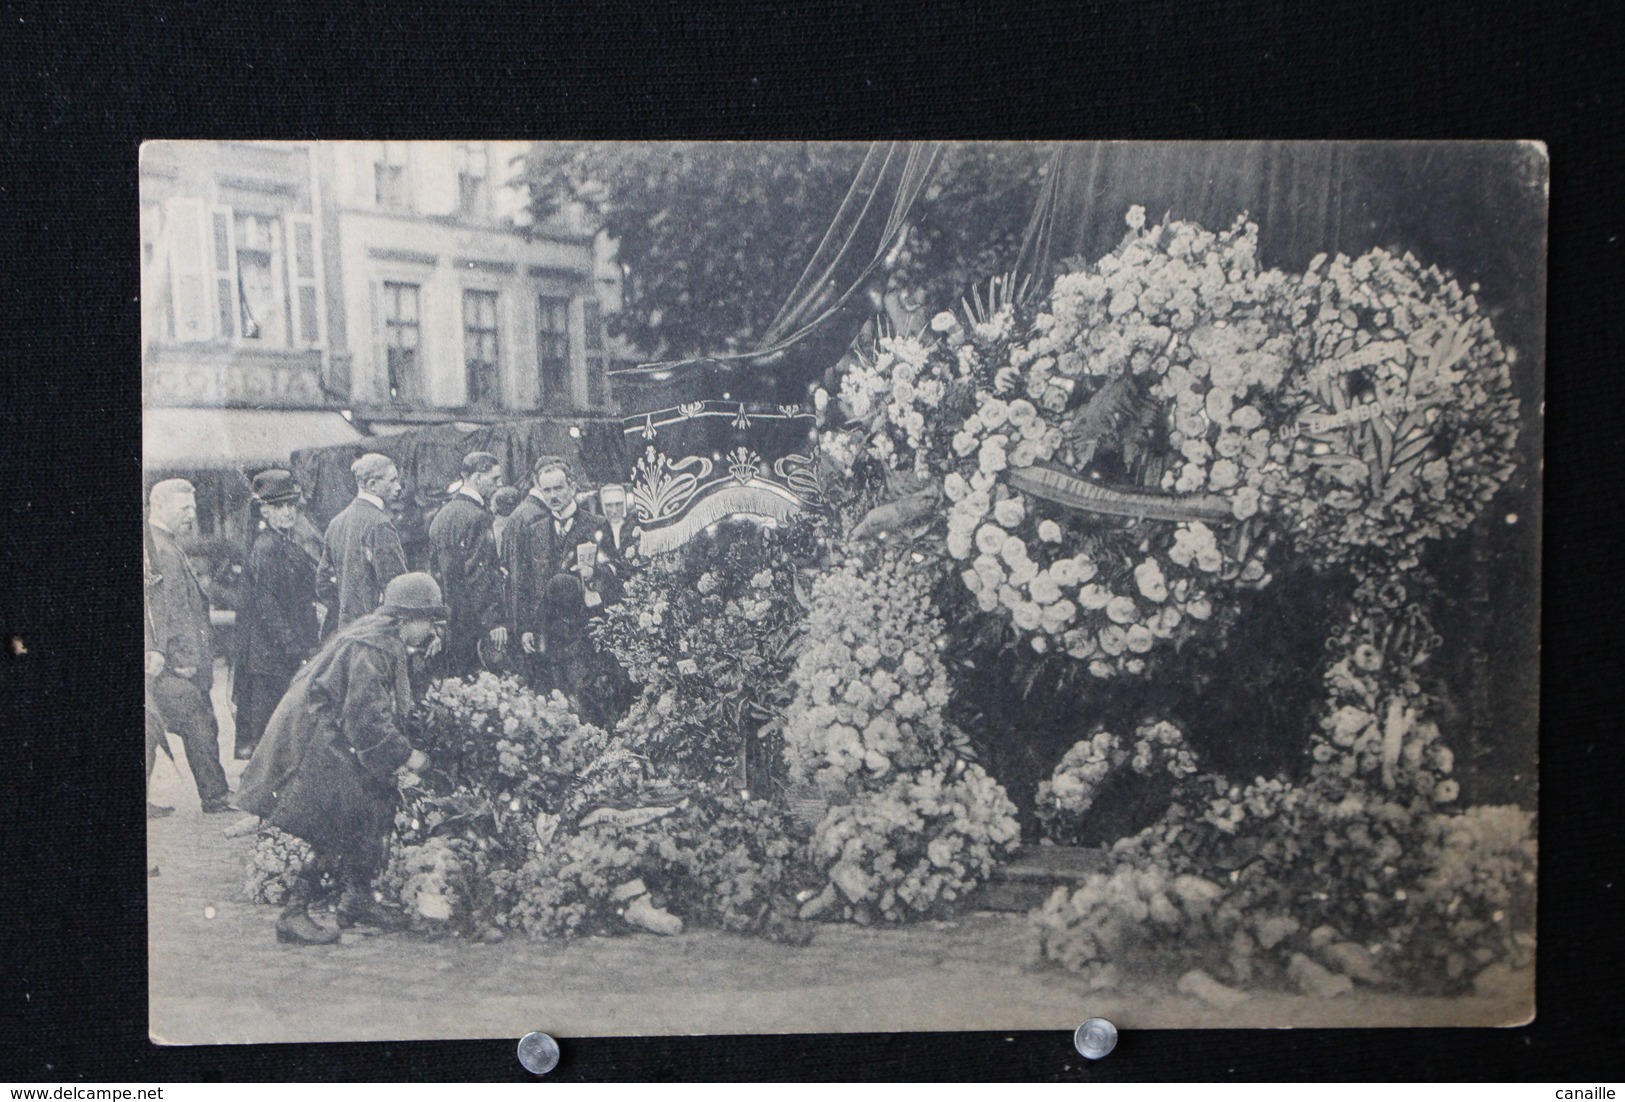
1003 291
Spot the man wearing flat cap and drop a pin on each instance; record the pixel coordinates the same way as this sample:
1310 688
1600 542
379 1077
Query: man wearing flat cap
325 770
363 546
276 625
463 558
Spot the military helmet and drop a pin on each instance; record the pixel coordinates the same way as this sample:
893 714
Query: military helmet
413 596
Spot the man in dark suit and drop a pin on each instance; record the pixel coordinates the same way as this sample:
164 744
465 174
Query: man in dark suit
180 656
276 625
553 548
463 559
363 547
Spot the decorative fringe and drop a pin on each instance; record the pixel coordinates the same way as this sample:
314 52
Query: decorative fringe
756 499
1068 490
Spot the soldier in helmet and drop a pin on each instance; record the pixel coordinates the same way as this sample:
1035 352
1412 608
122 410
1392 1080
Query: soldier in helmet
325 770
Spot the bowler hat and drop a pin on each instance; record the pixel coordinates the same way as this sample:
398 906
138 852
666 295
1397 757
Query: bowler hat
276 487
414 596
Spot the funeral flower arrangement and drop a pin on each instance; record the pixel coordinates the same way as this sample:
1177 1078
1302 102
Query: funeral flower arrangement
1160 364
1325 398
895 393
910 825
560 828
501 760
274 866
706 635
1091 483
870 683
1358 874
528 820
1403 421
1158 748
913 847
712 858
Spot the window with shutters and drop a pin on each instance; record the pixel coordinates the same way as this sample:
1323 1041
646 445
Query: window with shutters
553 350
240 276
262 309
304 282
480 349
193 247
403 332
223 263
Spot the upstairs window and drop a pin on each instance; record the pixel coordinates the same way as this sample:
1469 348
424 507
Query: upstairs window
480 349
553 350
239 276
261 305
402 340
389 186
389 180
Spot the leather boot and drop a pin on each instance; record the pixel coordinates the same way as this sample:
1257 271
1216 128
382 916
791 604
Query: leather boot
358 907
296 927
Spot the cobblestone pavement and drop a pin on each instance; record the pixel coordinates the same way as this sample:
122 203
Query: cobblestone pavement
219 975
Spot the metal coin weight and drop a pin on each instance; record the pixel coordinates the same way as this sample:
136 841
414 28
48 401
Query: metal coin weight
539 1053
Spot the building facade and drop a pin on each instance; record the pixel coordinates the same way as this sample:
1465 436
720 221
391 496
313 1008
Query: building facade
459 307
297 294
398 281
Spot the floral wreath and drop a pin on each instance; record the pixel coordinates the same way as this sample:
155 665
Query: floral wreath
1177 335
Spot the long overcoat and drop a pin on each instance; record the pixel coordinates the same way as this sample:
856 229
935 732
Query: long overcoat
363 552
324 770
179 610
527 562
277 627
536 554
463 559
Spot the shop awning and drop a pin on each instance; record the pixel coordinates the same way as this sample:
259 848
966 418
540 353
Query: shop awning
235 439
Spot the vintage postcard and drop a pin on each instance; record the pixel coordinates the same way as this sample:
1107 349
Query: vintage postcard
630 589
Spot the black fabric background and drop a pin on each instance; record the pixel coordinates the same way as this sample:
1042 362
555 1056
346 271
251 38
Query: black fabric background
82 85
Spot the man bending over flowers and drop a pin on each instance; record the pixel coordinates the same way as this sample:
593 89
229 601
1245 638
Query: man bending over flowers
325 768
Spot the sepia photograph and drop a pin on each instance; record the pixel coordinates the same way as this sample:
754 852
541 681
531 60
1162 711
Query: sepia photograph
668 588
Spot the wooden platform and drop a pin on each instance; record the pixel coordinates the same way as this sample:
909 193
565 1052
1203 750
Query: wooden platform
1028 879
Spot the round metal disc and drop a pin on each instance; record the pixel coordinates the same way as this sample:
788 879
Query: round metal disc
1095 1038
539 1053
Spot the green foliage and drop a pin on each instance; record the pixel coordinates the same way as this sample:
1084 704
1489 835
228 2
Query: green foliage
707 633
719 859
274 866
714 235
1357 874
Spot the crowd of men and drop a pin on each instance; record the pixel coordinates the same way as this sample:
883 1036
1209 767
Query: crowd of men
335 636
